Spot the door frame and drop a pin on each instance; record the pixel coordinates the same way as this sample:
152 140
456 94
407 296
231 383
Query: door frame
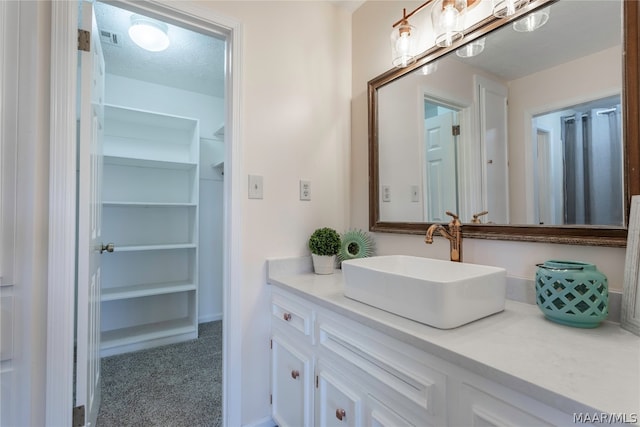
62 204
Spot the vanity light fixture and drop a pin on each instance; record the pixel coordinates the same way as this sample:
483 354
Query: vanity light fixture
148 33
502 8
471 49
532 21
403 41
447 17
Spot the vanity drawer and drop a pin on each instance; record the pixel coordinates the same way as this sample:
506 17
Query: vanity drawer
484 403
292 315
395 365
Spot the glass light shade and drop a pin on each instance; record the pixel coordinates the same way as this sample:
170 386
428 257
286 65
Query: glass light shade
532 21
403 45
502 8
471 49
430 68
447 18
148 34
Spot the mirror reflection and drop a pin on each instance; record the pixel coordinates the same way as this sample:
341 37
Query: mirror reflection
522 126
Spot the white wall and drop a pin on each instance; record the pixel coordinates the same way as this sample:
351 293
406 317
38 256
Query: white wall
295 125
209 111
371 27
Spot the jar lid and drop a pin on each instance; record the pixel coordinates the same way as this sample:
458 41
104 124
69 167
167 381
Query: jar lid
566 265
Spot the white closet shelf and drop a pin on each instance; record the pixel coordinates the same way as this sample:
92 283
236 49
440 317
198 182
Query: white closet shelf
151 331
145 290
114 203
140 117
148 163
154 247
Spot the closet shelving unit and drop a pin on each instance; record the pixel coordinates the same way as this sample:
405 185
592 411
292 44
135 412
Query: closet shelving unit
150 213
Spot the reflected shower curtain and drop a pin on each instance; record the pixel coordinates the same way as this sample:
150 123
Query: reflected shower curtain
593 167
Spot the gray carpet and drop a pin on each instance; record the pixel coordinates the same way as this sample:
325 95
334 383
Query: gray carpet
174 385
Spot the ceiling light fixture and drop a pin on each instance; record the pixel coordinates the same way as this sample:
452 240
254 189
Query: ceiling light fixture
532 21
471 49
149 34
502 8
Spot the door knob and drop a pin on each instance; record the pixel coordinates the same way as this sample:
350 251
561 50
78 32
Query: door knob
295 374
340 413
109 247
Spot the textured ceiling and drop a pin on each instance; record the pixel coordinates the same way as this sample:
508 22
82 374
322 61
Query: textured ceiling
575 29
193 61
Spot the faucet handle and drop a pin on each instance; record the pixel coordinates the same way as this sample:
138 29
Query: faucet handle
475 219
455 220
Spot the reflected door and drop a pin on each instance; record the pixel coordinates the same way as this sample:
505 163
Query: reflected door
440 159
492 98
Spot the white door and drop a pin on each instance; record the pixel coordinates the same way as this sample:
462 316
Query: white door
544 172
492 98
91 106
440 184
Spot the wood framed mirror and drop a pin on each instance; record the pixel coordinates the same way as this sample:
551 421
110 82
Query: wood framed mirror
400 128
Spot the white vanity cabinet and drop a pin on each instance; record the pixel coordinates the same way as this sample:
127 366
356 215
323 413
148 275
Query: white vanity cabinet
292 361
329 371
150 213
363 377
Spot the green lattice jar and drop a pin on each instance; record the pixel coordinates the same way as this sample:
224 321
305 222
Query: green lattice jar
572 293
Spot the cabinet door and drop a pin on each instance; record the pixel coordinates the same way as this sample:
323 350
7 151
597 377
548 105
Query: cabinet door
336 404
291 384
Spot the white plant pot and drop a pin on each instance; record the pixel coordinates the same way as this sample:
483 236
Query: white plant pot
323 264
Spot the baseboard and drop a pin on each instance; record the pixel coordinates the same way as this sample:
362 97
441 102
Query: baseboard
210 318
265 422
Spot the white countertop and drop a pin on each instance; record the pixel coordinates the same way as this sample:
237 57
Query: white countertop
572 369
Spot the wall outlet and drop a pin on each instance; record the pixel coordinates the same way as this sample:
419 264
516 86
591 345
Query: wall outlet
386 193
305 190
415 195
255 187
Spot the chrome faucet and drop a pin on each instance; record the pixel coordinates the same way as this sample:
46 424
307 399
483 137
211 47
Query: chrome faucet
453 233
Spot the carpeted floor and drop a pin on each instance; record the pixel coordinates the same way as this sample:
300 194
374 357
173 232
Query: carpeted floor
174 385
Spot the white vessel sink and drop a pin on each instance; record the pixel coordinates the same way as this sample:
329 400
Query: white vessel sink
442 294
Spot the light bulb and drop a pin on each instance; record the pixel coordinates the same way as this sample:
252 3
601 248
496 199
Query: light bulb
449 18
403 44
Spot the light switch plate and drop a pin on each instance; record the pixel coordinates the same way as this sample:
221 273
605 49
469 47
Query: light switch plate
305 190
386 193
255 187
415 195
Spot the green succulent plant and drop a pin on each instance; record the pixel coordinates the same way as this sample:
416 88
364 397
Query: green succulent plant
324 241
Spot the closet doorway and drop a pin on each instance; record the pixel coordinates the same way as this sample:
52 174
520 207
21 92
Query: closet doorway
160 186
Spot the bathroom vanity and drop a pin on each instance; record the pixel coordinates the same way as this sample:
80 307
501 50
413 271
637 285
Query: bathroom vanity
336 361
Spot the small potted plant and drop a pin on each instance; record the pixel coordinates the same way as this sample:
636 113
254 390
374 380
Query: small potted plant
324 244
